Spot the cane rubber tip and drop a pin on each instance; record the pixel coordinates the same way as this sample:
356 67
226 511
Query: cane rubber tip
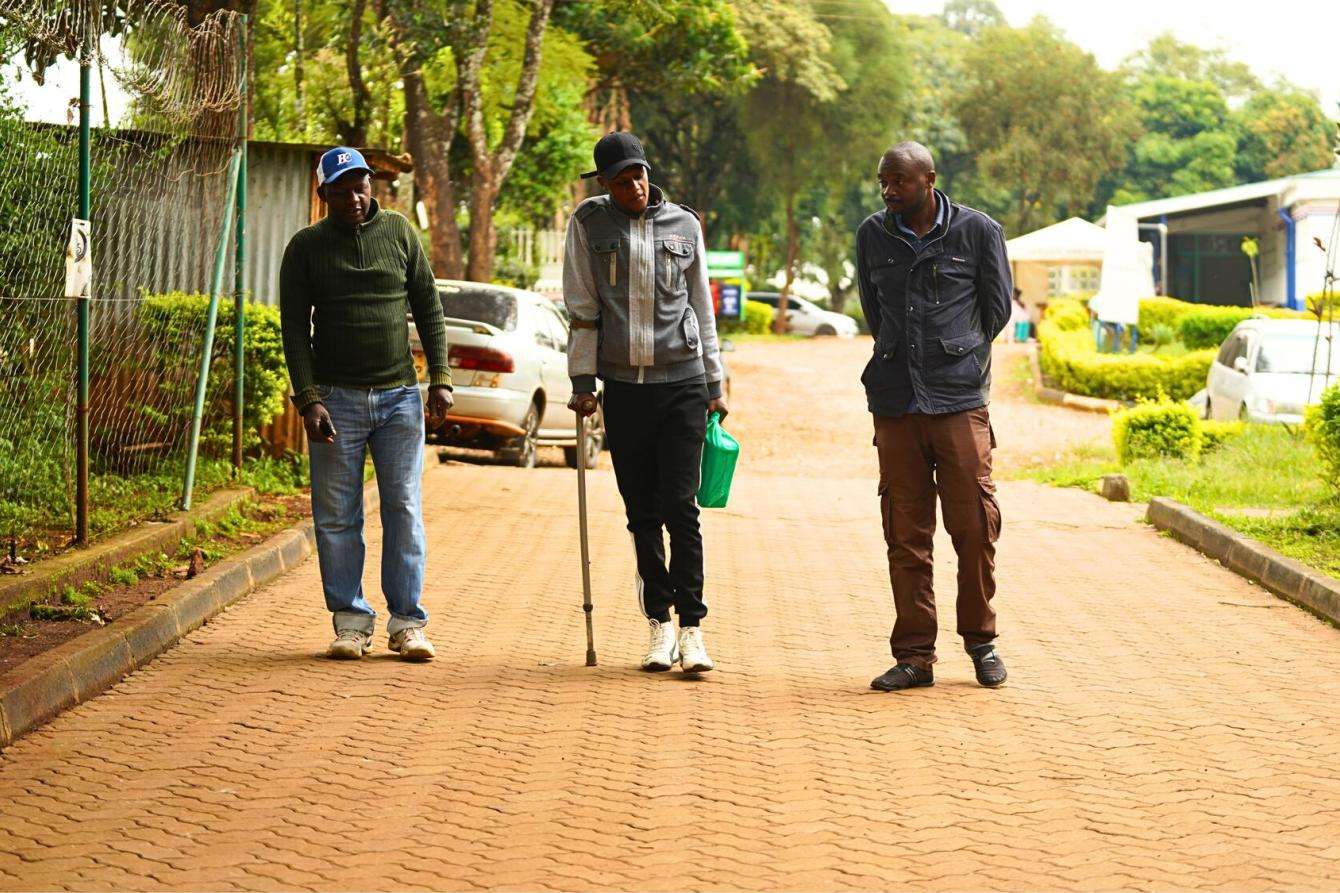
590 658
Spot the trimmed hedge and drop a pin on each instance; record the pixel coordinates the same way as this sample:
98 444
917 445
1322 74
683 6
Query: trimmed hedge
1210 326
757 320
1323 429
1070 362
1152 430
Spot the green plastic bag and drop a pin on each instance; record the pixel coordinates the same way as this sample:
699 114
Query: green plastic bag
720 451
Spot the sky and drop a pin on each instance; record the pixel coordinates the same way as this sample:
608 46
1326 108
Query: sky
1293 38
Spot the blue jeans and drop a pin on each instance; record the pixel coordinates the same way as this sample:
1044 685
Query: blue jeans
389 422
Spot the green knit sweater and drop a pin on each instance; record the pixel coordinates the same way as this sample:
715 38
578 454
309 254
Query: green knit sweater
342 299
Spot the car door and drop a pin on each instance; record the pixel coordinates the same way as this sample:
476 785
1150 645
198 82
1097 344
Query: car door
1215 387
552 342
1235 380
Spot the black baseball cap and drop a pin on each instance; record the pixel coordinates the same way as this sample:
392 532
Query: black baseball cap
616 151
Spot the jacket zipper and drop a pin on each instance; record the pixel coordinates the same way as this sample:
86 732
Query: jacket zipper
935 281
614 267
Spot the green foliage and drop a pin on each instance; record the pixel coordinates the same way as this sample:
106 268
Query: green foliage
1208 326
123 576
856 312
1323 431
1163 311
1070 361
757 320
1214 434
1283 131
165 317
1068 315
1154 429
1046 123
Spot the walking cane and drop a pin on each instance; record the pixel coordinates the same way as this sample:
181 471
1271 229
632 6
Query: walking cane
586 557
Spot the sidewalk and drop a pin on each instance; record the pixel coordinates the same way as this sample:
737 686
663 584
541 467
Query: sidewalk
1165 725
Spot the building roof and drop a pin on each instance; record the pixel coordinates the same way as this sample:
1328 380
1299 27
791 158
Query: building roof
1070 240
1316 185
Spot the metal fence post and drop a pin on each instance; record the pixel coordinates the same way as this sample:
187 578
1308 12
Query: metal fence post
239 264
85 203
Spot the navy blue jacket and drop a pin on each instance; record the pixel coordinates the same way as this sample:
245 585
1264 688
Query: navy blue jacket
934 312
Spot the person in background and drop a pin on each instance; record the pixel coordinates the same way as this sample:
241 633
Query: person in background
1019 322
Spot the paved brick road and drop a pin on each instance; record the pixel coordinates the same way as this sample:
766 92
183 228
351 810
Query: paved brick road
1166 725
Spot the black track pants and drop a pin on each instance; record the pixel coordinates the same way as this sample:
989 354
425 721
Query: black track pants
656 439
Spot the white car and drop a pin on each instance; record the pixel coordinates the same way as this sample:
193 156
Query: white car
807 318
1268 370
507 349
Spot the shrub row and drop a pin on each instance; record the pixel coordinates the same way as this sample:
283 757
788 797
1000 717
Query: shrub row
1167 429
1070 361
757 320
1323 429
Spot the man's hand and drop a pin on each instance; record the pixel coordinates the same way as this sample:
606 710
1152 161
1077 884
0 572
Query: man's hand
718 405
583 404
440 402
316 421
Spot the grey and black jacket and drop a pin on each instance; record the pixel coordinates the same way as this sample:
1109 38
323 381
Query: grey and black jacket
934 312
637 294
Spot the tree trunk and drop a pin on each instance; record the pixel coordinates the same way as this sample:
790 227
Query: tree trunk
424 137
299 104
355 132
492 167
483 231
792 249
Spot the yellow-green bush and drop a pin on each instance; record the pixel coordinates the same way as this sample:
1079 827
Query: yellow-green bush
1068 315
757 320
1163 311
1157 429
1213 434
1323 429
1070 362
1208 326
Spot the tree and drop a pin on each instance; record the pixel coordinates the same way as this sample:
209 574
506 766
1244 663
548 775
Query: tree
972 17
1170 57
1283 131
1046 123
781 114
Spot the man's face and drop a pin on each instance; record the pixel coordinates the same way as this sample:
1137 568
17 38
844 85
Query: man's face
349 197
630 189
904 187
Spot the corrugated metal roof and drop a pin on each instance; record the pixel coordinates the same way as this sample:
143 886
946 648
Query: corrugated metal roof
1314 183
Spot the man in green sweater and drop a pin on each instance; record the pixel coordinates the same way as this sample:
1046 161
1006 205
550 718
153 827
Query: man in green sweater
344 288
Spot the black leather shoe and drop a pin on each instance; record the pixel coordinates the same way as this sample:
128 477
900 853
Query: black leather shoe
904 676
990 668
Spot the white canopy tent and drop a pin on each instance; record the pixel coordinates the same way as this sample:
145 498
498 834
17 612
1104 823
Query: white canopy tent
1070 241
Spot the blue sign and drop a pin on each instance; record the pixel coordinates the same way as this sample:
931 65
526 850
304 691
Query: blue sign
731 305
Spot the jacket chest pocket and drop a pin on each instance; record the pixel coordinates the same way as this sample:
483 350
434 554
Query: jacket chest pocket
606 266
953 269
891 282
673 257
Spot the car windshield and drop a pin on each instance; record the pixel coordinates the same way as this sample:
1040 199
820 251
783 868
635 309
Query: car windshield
497 308
1292 354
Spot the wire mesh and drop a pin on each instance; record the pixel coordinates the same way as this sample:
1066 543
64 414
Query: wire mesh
158 190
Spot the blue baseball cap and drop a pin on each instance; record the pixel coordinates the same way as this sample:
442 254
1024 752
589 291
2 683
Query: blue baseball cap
339 161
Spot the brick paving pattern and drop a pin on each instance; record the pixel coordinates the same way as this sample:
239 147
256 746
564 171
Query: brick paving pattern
1166 725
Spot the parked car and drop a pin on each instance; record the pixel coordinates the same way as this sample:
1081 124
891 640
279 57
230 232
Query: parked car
507 349
1268 370
807 318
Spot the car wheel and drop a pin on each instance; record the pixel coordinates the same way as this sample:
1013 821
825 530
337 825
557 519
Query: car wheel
1243 414
524 453
1209 408
825 331
595 443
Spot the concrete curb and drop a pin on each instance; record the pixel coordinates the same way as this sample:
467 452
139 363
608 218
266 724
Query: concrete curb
1063 398
1289 579
39 689
81 565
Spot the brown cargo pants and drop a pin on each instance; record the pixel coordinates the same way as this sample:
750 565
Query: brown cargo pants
919 456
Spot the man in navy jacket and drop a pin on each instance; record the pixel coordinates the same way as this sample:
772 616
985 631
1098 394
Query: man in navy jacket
935 287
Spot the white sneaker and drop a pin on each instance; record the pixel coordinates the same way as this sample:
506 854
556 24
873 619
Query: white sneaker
692 653
412 644
350 644
662 652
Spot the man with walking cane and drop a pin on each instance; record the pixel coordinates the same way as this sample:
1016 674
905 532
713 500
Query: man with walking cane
935 287
635 285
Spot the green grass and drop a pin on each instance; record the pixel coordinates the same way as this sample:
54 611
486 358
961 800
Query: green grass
1267 467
